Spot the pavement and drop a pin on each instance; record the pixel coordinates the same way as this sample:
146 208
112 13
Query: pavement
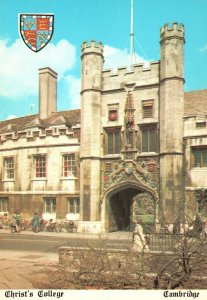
26 269
120 235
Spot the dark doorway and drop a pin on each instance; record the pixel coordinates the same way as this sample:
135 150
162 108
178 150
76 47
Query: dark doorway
120 209
127 205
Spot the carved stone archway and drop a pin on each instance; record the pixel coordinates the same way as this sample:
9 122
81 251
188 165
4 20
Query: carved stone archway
128 174
127 184
123 187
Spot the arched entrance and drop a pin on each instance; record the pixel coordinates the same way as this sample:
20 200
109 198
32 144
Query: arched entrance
120 209
123 204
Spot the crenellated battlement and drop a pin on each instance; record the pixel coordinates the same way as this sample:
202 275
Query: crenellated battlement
139 75
137 69
91 47
174 30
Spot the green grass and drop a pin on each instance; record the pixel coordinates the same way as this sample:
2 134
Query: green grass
147 218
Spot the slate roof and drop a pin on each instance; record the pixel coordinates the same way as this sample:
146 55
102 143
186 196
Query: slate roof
70 118
195 103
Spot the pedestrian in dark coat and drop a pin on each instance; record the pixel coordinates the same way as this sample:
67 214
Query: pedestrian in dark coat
35 222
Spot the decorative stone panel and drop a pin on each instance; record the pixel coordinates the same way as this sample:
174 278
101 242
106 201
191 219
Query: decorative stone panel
141 173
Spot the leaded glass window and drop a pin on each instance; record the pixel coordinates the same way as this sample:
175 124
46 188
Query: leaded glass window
114 142
3 204
200 157
69 165
74 205
40 166
50 205
9 168
149 139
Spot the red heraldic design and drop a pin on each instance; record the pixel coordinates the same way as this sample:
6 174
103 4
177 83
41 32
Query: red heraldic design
36 30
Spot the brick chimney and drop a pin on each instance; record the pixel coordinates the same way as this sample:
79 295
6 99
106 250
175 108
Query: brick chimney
47 92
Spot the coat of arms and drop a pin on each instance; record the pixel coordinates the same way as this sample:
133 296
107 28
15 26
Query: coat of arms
36 30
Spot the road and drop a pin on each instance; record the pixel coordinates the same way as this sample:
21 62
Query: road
50 242
23 256
36 242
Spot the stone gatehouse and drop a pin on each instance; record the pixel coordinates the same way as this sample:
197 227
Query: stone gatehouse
137 147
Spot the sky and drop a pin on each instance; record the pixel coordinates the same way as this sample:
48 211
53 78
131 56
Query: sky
77 21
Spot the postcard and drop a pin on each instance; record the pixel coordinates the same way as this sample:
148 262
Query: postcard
103 149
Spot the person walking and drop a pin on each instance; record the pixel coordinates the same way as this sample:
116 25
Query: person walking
35 222
139 242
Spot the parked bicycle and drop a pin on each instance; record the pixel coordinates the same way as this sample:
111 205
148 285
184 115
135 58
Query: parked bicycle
16 227
71 226
66 226
48 225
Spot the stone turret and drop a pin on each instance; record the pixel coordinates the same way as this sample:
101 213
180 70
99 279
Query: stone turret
172 52
171 120
92 65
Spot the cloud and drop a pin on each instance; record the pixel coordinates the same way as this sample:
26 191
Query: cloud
19 66
115 57
19 69
11 117
73 90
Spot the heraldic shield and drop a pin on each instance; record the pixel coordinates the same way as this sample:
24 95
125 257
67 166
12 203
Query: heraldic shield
36 30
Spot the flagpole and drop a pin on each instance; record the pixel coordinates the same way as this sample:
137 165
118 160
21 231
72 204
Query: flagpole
132 35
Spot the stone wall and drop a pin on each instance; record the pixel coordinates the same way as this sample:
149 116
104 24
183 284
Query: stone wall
68 254
26 191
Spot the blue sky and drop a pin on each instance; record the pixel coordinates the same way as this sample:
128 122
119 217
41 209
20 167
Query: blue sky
103 20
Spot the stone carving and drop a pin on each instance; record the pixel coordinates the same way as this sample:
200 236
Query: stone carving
129 155
113 115
129 119
139 174
129 109
113 112
152 167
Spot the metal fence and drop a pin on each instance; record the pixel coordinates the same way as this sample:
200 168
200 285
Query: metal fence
165 238
161 242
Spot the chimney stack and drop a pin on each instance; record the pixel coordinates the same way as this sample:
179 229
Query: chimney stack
47 92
